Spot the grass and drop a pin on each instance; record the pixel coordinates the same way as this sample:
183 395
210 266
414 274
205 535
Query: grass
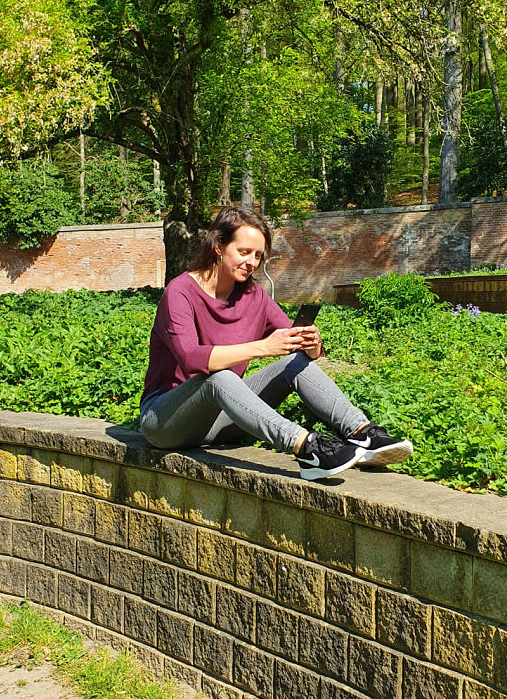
28 638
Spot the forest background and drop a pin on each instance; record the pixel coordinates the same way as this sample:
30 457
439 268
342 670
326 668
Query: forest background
120 110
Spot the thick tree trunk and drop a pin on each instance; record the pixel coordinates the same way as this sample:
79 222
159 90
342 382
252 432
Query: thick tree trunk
410 113
224 198
483 72
379 102
451 118
493 84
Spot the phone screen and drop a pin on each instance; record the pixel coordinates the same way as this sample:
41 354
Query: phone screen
307 314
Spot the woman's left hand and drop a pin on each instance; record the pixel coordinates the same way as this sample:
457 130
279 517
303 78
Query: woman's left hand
312 341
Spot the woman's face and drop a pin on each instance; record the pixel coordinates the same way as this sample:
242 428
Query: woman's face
242 256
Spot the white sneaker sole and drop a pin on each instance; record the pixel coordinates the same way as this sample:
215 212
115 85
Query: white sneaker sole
313 474
391 454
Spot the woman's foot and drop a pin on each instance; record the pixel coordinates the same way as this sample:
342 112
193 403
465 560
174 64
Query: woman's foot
320 457
381 449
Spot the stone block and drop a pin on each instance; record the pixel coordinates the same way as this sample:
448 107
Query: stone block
196 597
5 537
404 622
175 636
441 575
293 682
67 471
133 487
243 516
16 500
8 463
100 479
490 590
500 659
126 571
330 541
140 621
179 543
111 523
463 643
41 586
144 533
183 673
284 527
205 505
47 507
34 466
350 603
74 596
323 648
383 557
253 670
107 608
373 669
92 561
12 577
28 541
256 569
216 555
235 612
474 690
424 681
167 495
329 689
78 514
301 585
160 583
213 652
214 689
277 630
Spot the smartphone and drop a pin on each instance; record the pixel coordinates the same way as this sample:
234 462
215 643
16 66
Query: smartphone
307 314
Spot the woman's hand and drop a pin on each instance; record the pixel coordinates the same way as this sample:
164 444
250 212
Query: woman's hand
311 341
282 342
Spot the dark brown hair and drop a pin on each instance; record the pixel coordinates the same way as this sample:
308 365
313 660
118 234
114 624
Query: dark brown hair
222 231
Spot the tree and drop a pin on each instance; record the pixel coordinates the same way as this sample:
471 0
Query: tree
49 83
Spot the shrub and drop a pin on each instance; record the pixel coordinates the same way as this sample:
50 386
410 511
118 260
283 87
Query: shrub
34 204
395 299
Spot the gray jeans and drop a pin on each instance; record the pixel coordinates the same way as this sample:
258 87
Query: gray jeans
219 408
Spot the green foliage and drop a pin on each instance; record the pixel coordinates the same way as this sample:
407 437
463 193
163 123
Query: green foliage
34 204
358 170
395 299
121 191
423 374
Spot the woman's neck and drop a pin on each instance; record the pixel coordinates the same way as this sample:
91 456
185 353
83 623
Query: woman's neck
214 286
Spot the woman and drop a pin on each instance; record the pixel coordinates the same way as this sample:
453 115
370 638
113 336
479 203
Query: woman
210 322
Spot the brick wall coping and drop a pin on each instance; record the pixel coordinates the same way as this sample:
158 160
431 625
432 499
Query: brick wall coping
472 523
110 227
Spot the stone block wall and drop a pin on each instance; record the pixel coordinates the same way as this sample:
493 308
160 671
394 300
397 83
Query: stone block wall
223 569
325 250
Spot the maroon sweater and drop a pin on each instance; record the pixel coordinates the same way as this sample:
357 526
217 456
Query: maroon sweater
189 323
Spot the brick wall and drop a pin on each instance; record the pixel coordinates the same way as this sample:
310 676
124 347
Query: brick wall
327 249
225 570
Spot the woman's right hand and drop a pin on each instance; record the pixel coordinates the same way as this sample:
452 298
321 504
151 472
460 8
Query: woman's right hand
282 341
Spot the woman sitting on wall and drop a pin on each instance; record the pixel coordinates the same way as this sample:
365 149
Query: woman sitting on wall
210 322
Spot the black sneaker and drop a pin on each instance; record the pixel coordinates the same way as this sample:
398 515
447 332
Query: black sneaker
381 449
320 457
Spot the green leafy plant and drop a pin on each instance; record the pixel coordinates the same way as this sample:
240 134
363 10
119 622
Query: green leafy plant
395 298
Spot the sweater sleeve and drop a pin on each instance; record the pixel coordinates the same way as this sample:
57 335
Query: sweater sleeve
178 331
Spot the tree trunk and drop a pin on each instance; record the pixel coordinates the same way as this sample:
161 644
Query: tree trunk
379 101
247 183
123 201
410 112
451 117
224 198
82 165
419 116
483 71
426 147
488 59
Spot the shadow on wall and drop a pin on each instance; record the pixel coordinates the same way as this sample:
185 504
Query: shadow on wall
15 262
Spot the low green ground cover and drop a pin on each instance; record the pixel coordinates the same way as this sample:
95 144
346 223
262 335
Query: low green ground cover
425 371
29 638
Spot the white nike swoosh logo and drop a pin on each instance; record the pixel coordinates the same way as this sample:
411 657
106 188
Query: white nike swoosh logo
314 461
365 443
